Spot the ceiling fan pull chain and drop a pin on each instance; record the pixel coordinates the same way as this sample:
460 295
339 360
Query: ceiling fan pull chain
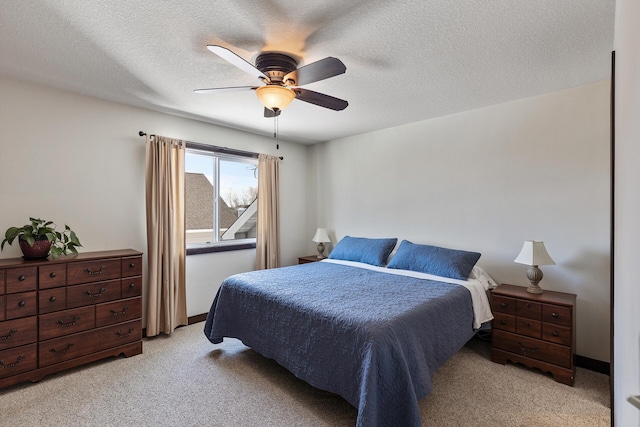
275 131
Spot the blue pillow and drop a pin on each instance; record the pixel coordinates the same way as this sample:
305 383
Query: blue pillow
360 249
443 262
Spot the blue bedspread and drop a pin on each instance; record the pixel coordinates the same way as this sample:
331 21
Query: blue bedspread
373 338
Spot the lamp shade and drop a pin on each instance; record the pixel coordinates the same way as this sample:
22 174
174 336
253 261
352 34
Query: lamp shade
275 97
321 236
534 253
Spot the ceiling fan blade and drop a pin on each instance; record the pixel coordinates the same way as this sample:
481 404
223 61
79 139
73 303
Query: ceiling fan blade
319 70
236 60
225 89
320 99
268 113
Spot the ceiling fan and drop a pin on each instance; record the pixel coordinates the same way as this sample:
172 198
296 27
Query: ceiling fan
281 79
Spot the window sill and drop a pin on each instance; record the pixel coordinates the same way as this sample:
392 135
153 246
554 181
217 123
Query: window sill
197 250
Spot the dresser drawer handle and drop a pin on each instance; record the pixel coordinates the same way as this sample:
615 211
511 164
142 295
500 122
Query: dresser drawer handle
503 304
528 325
554 314
120 313
12 365
6 337
73 322
58 353
22 303
555 333
22 278
525 349
52 299
98 294
94 272
504 322
132 265
121 335
528 305
52 274
133 285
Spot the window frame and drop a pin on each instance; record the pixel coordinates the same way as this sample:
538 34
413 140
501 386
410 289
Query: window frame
225 246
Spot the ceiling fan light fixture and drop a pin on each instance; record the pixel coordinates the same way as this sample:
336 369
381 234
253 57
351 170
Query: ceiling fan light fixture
275 97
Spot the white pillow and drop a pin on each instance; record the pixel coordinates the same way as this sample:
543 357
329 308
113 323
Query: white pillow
480 275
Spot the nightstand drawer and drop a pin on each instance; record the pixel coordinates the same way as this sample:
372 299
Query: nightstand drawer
556 333
506 322
529 309
529 327
530 347
557 314
502 304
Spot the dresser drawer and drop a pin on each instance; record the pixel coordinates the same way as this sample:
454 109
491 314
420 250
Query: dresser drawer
93 271
131 266
14 333
2 304
17 360
67 322
93 293
69 347
118 311
52 300
506 322
2 281
22 279
502 304
529 309
529 327
132 287
533 348
52 276
556 333
21 305
557 314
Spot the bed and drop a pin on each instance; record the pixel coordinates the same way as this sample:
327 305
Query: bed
353 325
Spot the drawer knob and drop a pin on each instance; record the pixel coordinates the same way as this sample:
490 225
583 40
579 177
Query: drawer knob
528 325
528 305
52 299
555 333
504 322
58 353
503 304
133 285
554 314
22 303
132 265
12 365
22 278
52 274
6 337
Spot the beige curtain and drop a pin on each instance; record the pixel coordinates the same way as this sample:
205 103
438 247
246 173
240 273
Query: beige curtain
268 227
166 296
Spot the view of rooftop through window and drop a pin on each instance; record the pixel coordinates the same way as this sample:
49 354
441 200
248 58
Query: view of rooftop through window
221 193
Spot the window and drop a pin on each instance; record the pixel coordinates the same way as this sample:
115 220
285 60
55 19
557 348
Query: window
221 189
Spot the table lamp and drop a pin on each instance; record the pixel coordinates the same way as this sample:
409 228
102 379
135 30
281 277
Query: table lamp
321 237
533 254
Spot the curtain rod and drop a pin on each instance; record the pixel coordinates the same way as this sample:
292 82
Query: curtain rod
224 150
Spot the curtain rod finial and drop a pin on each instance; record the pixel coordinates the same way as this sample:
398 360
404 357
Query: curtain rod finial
141 133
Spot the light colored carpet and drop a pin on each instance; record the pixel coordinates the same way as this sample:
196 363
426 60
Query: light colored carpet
184 380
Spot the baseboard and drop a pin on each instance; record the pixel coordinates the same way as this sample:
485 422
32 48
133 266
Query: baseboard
197 318
593 364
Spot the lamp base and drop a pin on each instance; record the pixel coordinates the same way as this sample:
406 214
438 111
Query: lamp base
321 250
534 274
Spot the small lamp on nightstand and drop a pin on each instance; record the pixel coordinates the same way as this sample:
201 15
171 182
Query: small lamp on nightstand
321 237
534 254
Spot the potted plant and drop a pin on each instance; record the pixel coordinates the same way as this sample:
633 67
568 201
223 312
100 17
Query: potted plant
40 237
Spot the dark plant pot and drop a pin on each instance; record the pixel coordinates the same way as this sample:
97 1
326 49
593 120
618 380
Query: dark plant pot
40 248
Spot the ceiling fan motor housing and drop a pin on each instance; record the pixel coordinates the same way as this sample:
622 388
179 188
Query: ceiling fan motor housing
276 66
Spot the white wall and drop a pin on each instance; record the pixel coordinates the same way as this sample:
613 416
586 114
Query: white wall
79 160
626 365
486 180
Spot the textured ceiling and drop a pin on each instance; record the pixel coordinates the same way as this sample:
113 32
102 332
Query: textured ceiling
406 60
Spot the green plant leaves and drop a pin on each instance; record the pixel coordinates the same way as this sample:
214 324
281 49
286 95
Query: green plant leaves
61 242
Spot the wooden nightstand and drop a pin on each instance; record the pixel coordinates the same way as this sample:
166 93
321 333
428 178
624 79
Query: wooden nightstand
535 330
307 259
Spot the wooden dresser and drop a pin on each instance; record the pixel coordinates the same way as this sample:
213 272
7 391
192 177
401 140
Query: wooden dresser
58 314
535 330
